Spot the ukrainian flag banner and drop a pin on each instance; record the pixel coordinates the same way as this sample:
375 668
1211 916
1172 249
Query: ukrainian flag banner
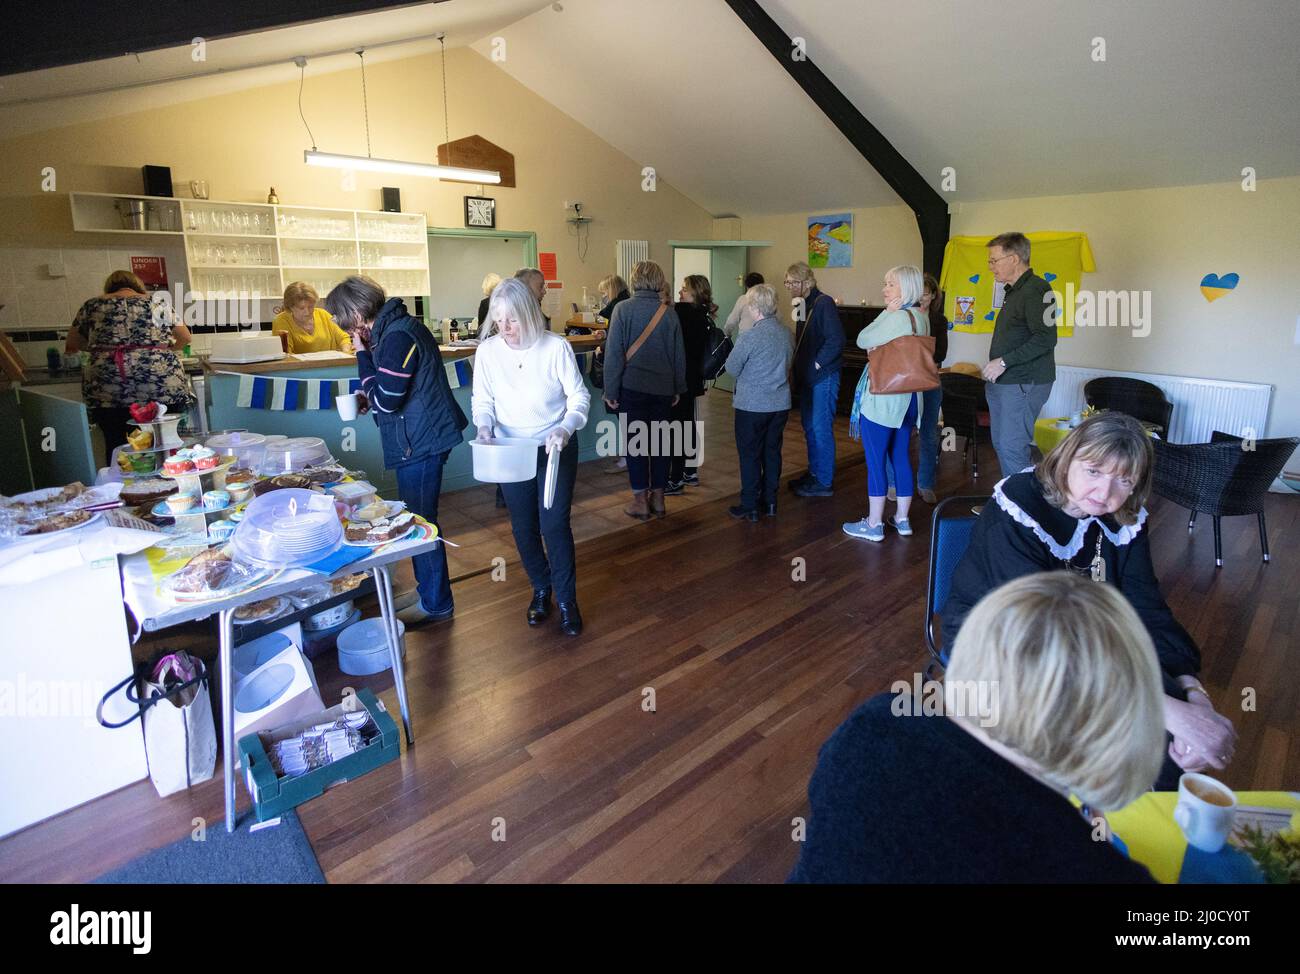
972 298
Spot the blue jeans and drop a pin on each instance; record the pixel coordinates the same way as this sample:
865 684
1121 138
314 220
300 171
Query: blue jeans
817 411
928 449
418 485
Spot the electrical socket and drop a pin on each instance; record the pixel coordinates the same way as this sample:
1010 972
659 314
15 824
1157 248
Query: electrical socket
570 204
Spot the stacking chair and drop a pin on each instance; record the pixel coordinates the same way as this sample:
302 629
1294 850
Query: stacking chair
966 410
1221 478
950 531
1136 398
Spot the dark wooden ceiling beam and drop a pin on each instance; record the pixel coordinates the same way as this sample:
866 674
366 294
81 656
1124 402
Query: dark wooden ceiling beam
931 209
59 32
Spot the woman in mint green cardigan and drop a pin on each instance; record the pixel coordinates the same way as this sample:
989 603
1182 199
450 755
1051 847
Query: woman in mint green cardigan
885 423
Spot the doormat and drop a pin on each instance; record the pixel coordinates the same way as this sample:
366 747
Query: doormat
275 854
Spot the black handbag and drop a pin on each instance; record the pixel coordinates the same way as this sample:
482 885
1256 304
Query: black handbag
597 373
717 346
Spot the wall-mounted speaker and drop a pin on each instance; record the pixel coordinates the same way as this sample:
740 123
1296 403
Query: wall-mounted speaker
157 180
392 199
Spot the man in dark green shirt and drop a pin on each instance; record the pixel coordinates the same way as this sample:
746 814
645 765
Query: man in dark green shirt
1022 362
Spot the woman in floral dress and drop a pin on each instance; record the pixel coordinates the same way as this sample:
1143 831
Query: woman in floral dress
133 344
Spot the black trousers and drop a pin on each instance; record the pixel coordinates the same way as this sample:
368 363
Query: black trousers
552 566
647 464
114 422
758 444
683 414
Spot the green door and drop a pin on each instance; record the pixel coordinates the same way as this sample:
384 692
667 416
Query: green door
727 276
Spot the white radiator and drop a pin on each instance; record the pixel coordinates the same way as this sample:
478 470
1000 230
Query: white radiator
628 253
1200 405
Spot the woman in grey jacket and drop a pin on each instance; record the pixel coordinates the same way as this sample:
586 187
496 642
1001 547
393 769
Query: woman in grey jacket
645 383
760 364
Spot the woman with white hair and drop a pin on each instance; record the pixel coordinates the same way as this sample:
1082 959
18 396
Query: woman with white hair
884 423
527 384
760 364
1053 690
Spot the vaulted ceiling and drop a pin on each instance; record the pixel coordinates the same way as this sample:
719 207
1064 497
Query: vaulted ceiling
1012 95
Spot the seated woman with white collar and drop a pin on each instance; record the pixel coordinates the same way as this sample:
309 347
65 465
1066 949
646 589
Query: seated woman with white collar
527 384
1081 510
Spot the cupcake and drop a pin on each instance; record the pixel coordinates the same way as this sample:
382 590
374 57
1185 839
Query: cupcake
239 491
204 458
215 500
180 503
144 463
182 461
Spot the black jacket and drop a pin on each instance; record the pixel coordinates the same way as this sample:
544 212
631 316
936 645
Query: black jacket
1002 548
695 323
898 797
429 421
819 341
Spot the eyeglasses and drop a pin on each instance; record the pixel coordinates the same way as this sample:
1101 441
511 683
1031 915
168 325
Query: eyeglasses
789 283
993 261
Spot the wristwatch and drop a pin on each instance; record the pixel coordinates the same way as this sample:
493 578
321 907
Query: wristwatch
1196 687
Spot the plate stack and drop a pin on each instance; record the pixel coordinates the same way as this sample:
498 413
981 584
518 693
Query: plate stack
288 528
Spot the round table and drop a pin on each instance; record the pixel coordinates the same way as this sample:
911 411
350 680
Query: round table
1046 433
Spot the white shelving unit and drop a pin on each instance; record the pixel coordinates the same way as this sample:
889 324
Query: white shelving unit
261 246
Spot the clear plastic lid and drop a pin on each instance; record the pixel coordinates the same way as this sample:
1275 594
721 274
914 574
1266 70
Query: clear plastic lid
294 453
248 449
288 528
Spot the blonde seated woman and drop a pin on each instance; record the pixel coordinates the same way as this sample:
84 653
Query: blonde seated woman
1062 697
310 329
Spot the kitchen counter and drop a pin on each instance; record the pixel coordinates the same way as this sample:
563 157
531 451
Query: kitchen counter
295 363
356 443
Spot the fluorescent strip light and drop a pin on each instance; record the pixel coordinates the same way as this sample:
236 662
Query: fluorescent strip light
335 161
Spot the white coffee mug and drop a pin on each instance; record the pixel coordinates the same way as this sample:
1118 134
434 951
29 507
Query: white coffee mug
347 406
1205 811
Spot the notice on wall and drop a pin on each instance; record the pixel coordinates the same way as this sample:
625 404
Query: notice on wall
546 264
152 271
552 301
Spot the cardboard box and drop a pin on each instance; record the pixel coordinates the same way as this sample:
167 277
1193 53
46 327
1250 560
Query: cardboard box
271 795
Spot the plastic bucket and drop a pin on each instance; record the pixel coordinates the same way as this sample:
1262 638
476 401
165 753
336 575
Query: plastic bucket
505 460
363 647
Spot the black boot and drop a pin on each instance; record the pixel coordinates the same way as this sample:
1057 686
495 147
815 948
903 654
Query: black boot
770 509
570 619
539 609
742 513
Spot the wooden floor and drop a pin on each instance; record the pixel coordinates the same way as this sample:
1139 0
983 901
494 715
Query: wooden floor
750 670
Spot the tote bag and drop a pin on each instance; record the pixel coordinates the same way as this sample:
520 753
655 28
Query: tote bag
905 364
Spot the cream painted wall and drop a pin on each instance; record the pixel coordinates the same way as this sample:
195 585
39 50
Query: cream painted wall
1161 240
244 143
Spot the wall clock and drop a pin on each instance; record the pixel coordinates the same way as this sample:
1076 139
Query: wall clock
480 211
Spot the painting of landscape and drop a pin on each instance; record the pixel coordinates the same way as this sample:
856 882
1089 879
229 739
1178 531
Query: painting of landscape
830 240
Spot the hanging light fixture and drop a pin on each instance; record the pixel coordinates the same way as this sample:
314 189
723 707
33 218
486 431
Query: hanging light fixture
368 163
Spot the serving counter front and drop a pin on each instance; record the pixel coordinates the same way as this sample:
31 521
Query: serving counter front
356 442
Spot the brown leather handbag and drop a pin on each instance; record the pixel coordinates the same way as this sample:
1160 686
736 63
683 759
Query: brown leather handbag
905 364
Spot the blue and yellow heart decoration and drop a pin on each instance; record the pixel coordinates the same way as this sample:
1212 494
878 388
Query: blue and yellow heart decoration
1214 287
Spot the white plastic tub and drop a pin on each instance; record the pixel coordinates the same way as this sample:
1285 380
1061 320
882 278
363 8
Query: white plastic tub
505 460
363 647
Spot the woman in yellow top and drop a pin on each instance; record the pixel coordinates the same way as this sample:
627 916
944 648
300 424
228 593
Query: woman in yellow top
310 329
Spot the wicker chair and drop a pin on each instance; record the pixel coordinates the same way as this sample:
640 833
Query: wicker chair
1221 478
966 410
1136 398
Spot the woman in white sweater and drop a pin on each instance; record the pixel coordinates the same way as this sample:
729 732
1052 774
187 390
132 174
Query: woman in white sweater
527 384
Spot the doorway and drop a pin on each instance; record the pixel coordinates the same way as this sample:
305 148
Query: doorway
460 259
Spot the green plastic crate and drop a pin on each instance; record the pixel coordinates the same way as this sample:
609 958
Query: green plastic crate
272 796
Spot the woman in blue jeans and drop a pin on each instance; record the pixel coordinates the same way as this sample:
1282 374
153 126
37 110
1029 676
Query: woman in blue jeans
406 388
884 422
931 400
